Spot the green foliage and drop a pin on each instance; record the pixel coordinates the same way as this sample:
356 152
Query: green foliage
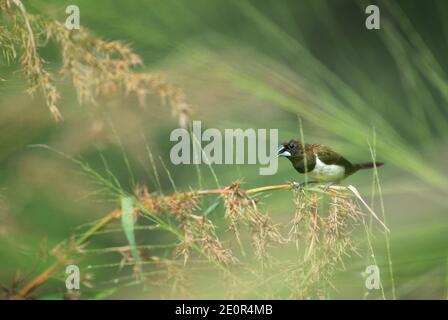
127 220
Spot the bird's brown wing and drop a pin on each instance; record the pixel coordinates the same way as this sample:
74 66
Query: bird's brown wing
328 156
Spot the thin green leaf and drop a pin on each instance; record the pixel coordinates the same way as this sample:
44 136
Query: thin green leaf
128 224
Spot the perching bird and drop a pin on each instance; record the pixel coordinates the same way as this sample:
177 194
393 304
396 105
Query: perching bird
322 163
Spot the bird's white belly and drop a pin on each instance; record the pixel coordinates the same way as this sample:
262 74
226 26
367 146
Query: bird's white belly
326 172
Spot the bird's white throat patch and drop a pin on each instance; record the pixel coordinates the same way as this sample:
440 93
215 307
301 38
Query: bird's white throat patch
326 172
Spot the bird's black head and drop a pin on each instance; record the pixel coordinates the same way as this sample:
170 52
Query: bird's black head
292 149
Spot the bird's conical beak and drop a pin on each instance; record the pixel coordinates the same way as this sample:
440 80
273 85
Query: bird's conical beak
282 151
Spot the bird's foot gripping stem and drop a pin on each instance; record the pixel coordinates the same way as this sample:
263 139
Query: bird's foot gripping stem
299 186
327 186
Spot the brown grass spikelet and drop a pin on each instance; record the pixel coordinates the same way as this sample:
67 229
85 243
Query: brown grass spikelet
97 68
322 228
178 204
101 68
200 231
181 205
343 216
197 230
38 78
235 201
241 208
304 203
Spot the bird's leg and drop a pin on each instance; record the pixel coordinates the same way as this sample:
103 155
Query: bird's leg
300 185
327 186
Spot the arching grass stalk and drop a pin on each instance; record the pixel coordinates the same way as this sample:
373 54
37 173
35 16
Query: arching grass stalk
372 254
386 235
368 226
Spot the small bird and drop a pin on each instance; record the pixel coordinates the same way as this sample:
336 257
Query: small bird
320 163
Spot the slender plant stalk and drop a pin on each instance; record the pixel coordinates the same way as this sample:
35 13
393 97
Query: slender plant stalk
368 227
386 235
372 252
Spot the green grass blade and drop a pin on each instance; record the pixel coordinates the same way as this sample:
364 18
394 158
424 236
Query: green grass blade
128 224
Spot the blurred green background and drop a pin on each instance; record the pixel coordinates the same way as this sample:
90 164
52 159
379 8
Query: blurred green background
244 64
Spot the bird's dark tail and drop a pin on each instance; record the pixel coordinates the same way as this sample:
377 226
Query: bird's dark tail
367 165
